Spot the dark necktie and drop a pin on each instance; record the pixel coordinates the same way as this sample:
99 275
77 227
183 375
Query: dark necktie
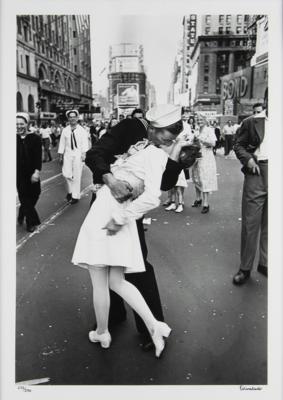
73 140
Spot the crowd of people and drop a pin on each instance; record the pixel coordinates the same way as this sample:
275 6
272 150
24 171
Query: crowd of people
132 161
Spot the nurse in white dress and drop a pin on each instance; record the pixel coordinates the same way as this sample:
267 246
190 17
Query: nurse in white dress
108 243
204 169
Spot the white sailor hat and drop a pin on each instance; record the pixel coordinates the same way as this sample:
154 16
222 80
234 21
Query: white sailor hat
163 115
72 111
23 115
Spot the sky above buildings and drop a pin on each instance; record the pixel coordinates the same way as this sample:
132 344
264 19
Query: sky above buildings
160 36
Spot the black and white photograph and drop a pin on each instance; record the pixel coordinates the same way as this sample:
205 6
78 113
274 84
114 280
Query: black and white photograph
139 249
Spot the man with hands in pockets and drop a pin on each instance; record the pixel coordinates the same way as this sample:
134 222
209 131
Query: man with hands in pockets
251 149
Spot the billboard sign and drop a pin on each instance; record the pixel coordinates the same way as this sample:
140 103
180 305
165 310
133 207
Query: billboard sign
128 94
48 115
237 85
126 64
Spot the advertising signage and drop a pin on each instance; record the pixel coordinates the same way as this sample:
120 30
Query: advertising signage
128 94
237 85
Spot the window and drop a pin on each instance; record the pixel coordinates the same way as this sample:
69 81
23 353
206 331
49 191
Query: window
75 68
206 58
238 29
245 29
21 61
207 19
228 19
19 24
74 34
30 104
228 29
239 19
221 19
218 87
19 102
206 69
207 30
220 30
43 48
25 33
75 51
27 65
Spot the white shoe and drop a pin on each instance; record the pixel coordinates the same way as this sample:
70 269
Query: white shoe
180 208
161 330
104 338
171 207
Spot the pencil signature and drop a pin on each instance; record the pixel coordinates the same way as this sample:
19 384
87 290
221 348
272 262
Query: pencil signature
24 389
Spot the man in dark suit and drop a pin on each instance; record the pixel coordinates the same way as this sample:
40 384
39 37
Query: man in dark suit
251 149
126 133
29 156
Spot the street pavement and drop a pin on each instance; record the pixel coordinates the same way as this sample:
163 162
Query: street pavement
219 331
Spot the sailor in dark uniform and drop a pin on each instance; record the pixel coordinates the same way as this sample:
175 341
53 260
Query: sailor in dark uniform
123 135
29 157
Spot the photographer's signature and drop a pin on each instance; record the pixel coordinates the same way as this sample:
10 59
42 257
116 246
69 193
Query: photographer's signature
248 387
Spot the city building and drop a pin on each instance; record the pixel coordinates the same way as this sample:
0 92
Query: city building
127 79
241 90
53 65
213 45
150 95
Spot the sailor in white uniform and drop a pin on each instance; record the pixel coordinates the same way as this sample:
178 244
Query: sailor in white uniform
72 149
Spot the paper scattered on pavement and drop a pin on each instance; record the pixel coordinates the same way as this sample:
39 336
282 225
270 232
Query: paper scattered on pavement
34 381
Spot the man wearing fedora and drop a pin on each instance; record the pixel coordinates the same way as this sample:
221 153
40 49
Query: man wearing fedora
251 149
29 158
126 134
72 149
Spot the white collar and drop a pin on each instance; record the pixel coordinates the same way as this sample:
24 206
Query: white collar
262 114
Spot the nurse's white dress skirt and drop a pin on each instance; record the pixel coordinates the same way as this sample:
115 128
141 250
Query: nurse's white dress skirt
95 247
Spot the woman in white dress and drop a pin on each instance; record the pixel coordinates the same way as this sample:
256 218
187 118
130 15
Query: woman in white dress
204 169
108 243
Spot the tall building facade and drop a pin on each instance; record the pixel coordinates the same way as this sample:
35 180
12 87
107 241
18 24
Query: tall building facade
213 45
176 94
127 79
242 89
53 65
150 95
